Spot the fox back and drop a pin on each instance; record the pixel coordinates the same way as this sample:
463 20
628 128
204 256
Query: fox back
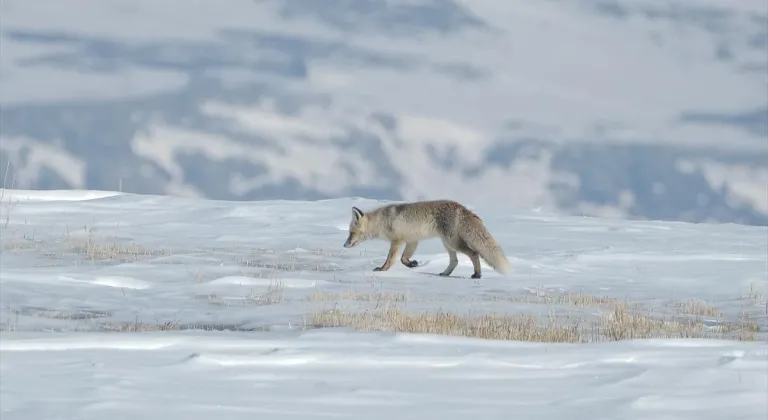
404 221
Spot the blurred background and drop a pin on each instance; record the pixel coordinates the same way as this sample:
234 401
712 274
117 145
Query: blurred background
654 109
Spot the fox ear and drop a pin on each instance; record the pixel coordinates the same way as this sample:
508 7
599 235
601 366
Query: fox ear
357 213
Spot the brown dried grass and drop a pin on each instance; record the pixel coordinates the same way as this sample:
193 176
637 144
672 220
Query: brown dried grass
620 323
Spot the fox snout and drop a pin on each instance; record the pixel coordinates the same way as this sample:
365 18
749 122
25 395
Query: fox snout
350 242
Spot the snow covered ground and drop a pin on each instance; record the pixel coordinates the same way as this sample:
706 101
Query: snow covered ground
131 306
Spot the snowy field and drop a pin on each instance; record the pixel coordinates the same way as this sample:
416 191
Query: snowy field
129 306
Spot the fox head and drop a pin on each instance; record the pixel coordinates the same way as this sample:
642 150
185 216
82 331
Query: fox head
358 228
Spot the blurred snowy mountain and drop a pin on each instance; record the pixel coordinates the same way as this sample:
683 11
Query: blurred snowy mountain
655 109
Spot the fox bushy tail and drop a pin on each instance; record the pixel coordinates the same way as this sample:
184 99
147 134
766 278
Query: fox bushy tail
477 236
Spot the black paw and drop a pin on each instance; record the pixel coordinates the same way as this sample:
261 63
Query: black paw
476 276
412 264
377 269
443 275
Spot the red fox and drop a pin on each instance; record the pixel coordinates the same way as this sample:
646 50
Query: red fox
460 229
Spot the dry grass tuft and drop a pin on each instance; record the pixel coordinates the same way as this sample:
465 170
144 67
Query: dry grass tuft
290 263
621 324
698 308
745 328
326 252
157 326
81 314
168 326
272 296
102 250
754 295
25 245
578 300
618 324
10 205
487 326
141 326
92 248
352 295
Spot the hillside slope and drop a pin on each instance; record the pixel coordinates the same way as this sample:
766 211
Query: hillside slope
656 110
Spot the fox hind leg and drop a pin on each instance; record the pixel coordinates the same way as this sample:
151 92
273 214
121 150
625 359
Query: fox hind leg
410 248
475 264
473 256
453 259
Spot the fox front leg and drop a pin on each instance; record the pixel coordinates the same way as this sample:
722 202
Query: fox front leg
394 248
410 248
